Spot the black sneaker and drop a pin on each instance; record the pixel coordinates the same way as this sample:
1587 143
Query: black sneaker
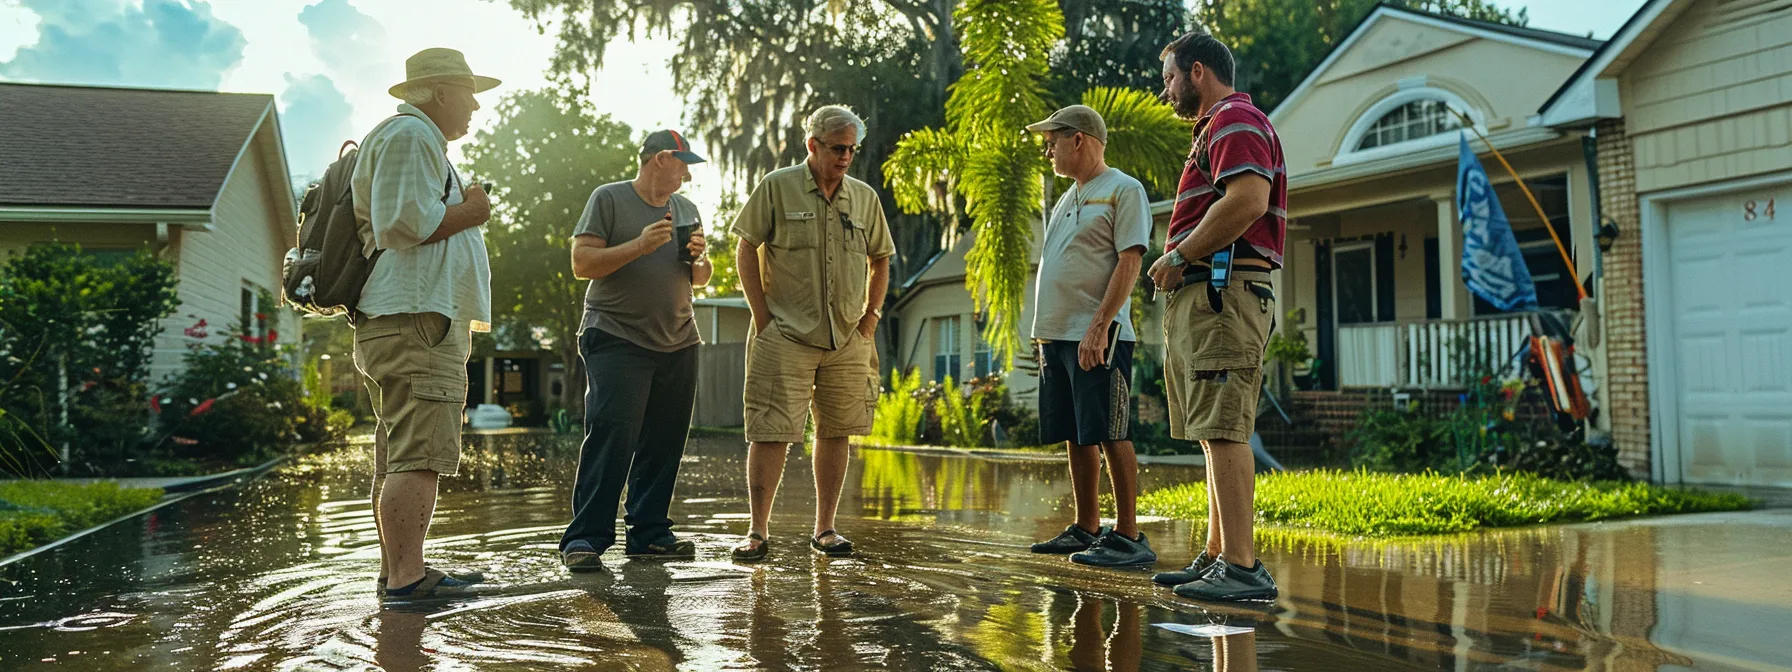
1226 582
1193 571
666 547
581 556
1113 549
1072 540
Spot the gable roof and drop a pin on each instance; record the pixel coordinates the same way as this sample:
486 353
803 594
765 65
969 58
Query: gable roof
1579 99
99 147
1547 40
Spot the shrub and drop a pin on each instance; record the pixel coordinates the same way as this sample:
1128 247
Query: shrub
87 324
236 401
960 413
1481 435
899 409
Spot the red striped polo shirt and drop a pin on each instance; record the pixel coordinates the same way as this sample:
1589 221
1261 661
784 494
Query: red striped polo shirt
1239 140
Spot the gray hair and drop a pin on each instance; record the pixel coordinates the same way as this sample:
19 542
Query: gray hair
831 119
420 93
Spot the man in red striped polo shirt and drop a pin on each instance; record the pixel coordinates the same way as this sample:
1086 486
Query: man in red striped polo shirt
1225 237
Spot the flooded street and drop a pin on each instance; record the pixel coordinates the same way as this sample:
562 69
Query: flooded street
278 575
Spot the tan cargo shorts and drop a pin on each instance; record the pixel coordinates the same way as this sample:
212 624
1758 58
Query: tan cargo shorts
787 380
1213 364
415 368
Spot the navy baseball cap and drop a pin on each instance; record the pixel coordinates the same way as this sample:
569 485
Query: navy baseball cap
668 139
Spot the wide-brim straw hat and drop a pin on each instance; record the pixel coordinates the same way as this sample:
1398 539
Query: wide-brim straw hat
440 64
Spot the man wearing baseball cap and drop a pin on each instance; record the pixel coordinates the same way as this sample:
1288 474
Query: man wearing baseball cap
639 343
1082 326
429 288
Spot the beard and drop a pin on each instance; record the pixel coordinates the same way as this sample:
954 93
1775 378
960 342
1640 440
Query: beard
1188 105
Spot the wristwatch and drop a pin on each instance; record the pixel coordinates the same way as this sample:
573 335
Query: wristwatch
1174 256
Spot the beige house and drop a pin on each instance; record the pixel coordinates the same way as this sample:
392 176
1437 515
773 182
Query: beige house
1691 103
1373 259
199 178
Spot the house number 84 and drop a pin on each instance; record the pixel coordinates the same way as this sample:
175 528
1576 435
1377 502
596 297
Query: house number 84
1753 210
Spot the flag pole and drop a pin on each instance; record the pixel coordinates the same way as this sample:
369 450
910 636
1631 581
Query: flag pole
1550 226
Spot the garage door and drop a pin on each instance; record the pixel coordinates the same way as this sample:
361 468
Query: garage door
1731 286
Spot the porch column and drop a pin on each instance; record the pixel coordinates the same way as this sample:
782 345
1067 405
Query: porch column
1453 298
490 382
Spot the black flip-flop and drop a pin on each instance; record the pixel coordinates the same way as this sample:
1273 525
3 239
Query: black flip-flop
753 553
840 547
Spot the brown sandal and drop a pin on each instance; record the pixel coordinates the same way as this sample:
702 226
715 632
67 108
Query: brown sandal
749 552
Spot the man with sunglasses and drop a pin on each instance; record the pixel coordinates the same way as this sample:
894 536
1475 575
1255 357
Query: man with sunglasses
1082 324
814 262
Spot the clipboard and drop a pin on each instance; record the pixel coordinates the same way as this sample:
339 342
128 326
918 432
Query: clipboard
1107 358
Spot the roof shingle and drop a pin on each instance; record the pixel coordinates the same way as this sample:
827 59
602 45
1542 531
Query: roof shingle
118 147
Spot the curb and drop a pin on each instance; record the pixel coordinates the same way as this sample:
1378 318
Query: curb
186 490
1026 455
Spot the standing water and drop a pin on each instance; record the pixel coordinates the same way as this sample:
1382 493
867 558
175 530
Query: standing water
279 575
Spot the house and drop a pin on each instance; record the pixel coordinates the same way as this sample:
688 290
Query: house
1690 105
198 178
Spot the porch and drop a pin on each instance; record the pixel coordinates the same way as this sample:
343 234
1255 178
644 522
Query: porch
1377 288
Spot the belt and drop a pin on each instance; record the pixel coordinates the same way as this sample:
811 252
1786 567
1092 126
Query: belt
1202 275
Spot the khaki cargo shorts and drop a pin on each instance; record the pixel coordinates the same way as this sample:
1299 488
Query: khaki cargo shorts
786 380
1213 364
415 368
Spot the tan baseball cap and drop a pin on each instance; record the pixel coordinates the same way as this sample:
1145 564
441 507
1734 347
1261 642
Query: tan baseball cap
1077 117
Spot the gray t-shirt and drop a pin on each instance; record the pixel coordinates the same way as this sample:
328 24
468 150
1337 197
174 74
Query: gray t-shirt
1090 226
648 300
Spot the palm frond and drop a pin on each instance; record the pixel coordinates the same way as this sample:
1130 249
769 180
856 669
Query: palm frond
1145 137
923 171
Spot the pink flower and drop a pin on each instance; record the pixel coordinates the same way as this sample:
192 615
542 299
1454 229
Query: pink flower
155 405
185 441
201 408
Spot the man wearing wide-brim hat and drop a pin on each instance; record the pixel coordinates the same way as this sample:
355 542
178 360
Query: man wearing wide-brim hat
429 288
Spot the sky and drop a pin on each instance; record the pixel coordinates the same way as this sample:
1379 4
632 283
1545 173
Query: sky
328 62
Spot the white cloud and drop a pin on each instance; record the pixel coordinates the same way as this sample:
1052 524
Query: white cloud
314 121
164 43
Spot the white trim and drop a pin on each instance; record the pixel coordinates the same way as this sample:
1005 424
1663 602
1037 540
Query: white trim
1658 333
184 218
1506 141
240 153
1348 153
1312 78
1558 112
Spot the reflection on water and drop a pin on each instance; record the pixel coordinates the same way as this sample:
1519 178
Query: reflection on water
277 575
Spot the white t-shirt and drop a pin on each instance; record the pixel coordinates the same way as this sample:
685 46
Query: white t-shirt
1089 228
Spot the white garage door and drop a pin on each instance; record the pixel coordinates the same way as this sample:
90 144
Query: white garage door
1731 279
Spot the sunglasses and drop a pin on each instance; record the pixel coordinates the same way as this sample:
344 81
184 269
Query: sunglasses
841 150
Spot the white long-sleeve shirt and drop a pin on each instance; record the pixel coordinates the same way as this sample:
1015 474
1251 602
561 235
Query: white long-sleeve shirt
398 185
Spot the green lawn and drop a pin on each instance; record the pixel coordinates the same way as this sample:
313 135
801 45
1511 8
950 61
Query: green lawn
33 513
1377 505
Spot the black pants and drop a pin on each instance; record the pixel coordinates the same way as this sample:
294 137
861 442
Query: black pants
637 416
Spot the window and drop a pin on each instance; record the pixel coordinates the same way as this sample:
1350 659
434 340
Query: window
985 359
1411 121
1414 118
947 359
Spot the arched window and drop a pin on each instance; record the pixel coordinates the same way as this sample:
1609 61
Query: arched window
1418 119
1412 119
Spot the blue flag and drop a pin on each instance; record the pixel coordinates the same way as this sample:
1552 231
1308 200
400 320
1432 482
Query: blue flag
1492 266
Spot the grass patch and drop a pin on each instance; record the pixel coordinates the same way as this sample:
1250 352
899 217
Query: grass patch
33 513
1378 505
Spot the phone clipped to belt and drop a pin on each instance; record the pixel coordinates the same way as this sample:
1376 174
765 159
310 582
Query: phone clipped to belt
1222 268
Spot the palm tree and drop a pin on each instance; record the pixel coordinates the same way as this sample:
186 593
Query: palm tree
985 156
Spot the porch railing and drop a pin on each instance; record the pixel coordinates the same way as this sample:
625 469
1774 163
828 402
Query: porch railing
1428 353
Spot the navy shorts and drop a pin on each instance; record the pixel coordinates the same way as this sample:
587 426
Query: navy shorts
1086 408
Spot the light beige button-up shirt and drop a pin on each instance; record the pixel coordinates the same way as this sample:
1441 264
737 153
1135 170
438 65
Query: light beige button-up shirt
398 188
814 263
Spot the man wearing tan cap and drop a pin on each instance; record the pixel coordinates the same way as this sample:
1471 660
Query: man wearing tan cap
430 286
1082 326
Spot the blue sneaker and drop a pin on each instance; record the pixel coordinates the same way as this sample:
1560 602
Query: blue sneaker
1113 549
580 556
434 585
